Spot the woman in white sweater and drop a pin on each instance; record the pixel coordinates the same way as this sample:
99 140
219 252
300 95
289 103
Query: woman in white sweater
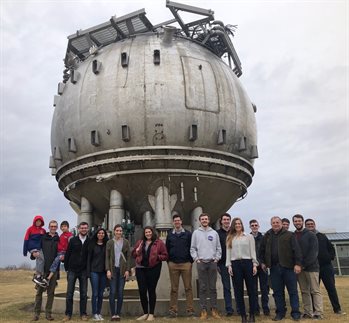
242 266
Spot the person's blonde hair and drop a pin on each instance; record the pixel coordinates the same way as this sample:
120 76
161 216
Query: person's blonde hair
232 232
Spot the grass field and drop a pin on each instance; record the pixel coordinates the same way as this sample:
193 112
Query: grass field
17 297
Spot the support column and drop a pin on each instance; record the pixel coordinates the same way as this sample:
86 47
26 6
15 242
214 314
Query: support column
162 204
116 211
85 214
195 217
148 219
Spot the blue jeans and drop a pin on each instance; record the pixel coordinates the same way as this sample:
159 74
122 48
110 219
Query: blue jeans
225 277
243 271
117 284
262 276
98 281
281 277
72 277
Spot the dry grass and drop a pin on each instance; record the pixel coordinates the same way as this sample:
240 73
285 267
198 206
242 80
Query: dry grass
17 295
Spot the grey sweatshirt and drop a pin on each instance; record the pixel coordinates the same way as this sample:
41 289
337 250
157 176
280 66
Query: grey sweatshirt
205 245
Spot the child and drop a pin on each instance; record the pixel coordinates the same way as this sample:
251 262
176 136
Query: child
61 249
32 243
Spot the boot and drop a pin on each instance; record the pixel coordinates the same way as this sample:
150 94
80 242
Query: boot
203 315
243 319
215 313
251 319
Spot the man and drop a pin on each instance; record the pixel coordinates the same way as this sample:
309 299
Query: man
75 263
280 252
206 251
179 264
222 269
308 279
261 275
285 223
325 258
49 243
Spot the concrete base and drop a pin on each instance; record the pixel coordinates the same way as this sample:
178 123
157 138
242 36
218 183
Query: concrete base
132 307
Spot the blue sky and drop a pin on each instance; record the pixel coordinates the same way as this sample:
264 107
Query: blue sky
295 68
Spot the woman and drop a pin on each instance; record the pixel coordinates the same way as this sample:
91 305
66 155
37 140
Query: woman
117 263
96 270
149 253
242 266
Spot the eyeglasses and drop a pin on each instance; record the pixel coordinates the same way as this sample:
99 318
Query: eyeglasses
254 225
53 226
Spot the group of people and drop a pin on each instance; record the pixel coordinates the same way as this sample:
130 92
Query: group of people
280 257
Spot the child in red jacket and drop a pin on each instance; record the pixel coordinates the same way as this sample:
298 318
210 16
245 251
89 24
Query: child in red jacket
32 244
62 248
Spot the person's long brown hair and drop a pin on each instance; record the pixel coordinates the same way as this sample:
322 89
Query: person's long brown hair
232 232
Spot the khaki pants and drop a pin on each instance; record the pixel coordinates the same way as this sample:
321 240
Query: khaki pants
177 270
50 296
311 295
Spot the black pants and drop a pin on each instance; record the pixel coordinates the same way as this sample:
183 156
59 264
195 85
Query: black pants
327 277
243 271
147 279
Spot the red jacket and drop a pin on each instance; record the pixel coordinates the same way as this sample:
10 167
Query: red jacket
158 252
63 241
32 238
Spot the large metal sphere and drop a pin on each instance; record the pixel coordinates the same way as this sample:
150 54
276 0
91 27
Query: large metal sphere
132 122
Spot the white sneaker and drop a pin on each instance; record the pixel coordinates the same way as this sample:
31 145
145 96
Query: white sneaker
100 317
150 317
142 318
95 317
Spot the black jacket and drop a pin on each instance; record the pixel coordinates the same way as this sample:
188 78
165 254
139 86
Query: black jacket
178 246
49 248
223 240
326 249
289 251
258 241
310 250
75 259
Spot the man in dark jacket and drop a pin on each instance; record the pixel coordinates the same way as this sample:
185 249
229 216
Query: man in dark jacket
280 252
75 263
325 258
49 243
222 269
179 264
261 275
308 279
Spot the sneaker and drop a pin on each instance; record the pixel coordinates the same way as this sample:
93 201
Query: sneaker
340 313
118 318
95 317
114 318
151 317
306 316
142 318
35 318
85 318
40 281
215 314
229 314
101 317
49 317
66 318
190 313
317 317
203 315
